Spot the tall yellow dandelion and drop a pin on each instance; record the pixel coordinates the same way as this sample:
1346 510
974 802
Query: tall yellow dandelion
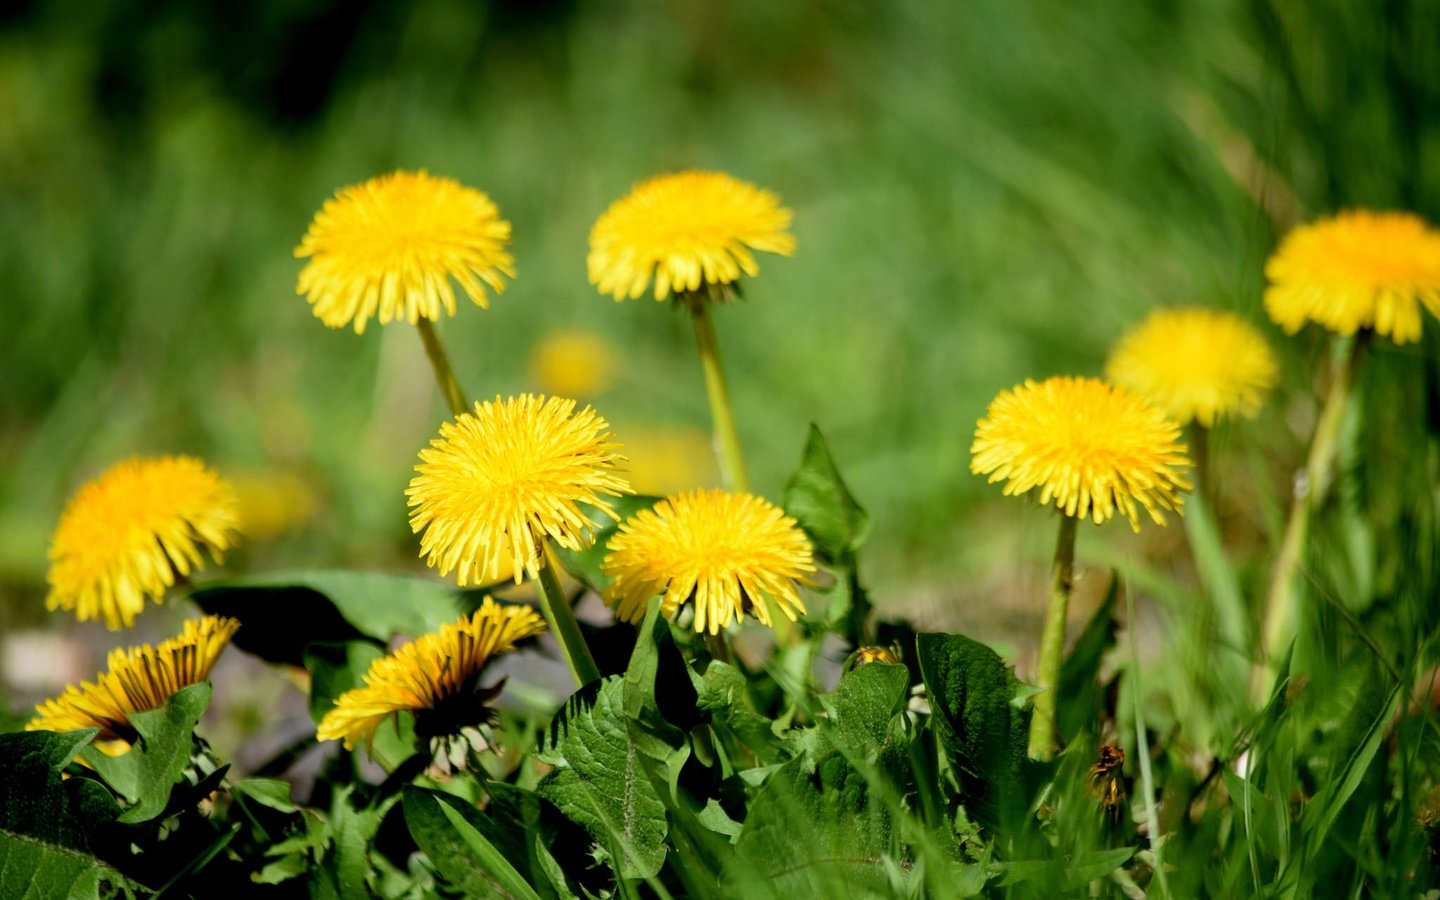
724 553
1357 270
136 680
436 677
1197 365
573 362
392 246
129 533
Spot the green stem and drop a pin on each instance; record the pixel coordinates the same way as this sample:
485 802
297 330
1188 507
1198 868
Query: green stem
1200 453
727 437
1052 642
1282 600
718 647
444 375
561 618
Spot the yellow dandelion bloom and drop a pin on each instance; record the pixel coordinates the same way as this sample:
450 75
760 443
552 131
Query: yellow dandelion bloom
1196 364
573 363
668 459
273 503
1355 270
390 248
138 679
724 552
435 677
127 534
687 230
1094 449
508 477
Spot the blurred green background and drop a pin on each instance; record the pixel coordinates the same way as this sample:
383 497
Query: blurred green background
983 192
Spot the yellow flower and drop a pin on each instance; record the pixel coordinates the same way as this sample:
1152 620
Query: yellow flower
573 363
1196 364
390 247
436 677
689 229
506 478
667 459
1092 448
126 535
723 551
1355 270
272 503
138 679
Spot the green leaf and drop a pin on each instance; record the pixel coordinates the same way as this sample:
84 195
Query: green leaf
817 497
335 669
585 564
32 868
281 613
864 705
457 848
1068 874
1079 673
970 695
145 774
600 779
658 690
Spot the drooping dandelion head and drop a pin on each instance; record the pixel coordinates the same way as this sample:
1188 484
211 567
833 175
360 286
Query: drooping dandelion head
1093 449
686 231
506 478
395 246
1357 270
438 678
128 534
1196 364
136 680
725 553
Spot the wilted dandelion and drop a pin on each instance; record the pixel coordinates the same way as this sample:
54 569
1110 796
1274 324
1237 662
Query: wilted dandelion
437 677
1195 364
130 532
136 680
390 247
724 553
1093 449
686 231
1357 270
506 478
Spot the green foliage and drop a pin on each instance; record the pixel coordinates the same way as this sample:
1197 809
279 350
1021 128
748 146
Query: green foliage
145 775
444 830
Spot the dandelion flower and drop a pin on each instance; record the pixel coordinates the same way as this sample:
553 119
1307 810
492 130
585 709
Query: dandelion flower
272 503
573 363
436 677
1093 449
136 680
723 551
686 230
507 477
1355 270
127 534
391 246
1195 364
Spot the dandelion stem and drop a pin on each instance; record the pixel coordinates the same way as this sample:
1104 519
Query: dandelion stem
561 618
727 438
1200 453
1282 600
718 646
444 375
1052 642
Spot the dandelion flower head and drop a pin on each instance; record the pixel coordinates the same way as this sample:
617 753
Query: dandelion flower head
508 476
1355 270
723 551
1093 449
573 363
685 230
1195 364
127 534
390 248
436 677
136 680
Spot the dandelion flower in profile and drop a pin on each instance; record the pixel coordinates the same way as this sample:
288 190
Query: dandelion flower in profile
436 677
508 477
136 680
1195 364
1357 270
390 247
573 363
127 535
724 552
686 230
1093 449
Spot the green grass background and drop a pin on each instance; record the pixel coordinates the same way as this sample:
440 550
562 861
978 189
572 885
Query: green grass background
983 192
